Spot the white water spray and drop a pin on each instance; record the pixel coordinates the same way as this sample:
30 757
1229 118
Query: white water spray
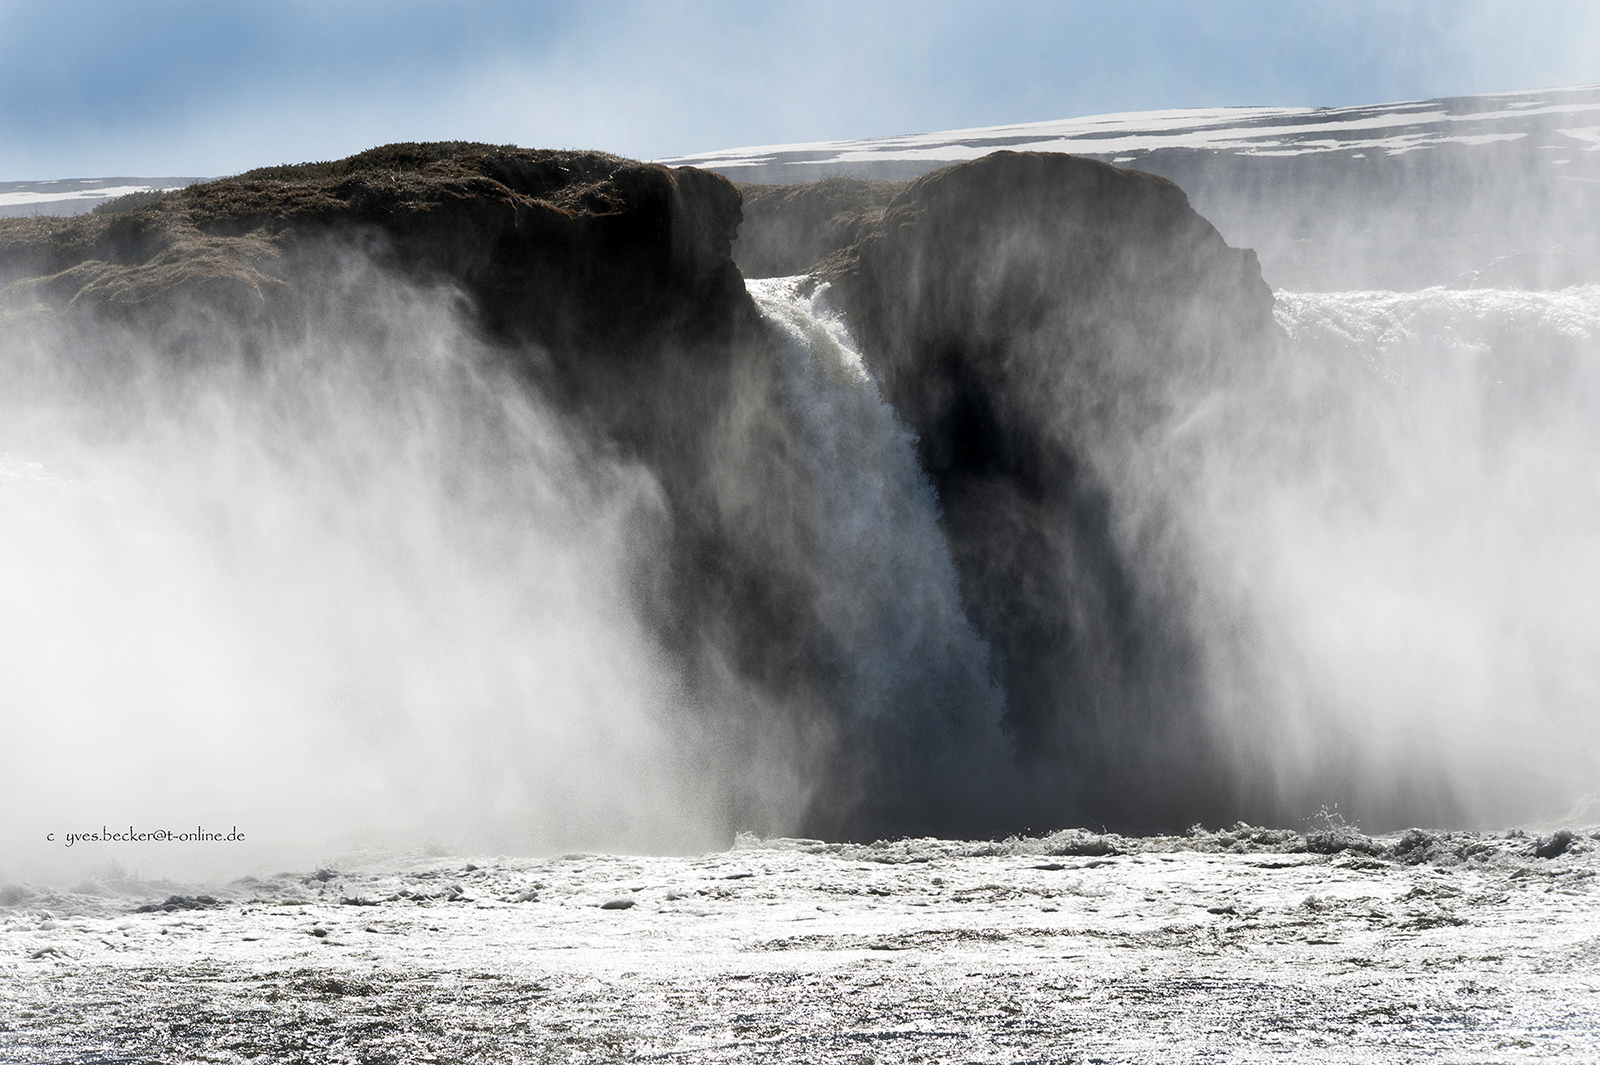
367 592
883 584
1397 534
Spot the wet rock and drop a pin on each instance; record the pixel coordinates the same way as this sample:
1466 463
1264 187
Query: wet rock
1413 847
790 229
1340 839
1555 846
1028 316
179 902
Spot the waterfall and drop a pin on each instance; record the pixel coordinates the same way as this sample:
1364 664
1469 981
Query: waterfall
884 586
357 583
1395 532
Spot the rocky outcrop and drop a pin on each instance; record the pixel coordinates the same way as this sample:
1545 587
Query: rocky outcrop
568 249
606 283
1036 320
791 229
607 289
604 286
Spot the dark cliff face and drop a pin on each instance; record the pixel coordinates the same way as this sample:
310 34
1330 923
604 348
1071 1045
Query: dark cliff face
791 229
606 284
604 289
1036 319
563 248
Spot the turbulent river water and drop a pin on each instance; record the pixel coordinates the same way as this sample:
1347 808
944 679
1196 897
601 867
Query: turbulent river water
378 592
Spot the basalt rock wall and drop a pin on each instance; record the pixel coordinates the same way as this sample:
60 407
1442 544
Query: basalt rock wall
570 250
791 229
1037 320
604 286
605 283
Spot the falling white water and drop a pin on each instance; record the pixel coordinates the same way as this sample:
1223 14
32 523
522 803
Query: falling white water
883 581
366 589
1398 535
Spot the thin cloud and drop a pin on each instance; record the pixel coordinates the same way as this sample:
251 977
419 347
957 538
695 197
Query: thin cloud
181 87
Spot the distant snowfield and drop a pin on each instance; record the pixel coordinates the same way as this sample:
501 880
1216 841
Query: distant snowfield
1399 196
1562 120
1396 196
70 196
1074 948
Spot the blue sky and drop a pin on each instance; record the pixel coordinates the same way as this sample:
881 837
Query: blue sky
175 87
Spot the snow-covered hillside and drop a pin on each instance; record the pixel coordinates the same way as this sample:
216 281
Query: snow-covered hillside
1563 122
71 196
1398 195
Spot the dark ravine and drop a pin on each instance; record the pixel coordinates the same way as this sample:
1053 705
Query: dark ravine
1027 316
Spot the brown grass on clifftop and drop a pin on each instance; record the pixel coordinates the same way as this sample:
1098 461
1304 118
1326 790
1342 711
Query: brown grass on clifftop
228 234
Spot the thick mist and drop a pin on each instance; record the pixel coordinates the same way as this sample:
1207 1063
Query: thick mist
1389 540
339 577
342 582
348 576
1237 555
